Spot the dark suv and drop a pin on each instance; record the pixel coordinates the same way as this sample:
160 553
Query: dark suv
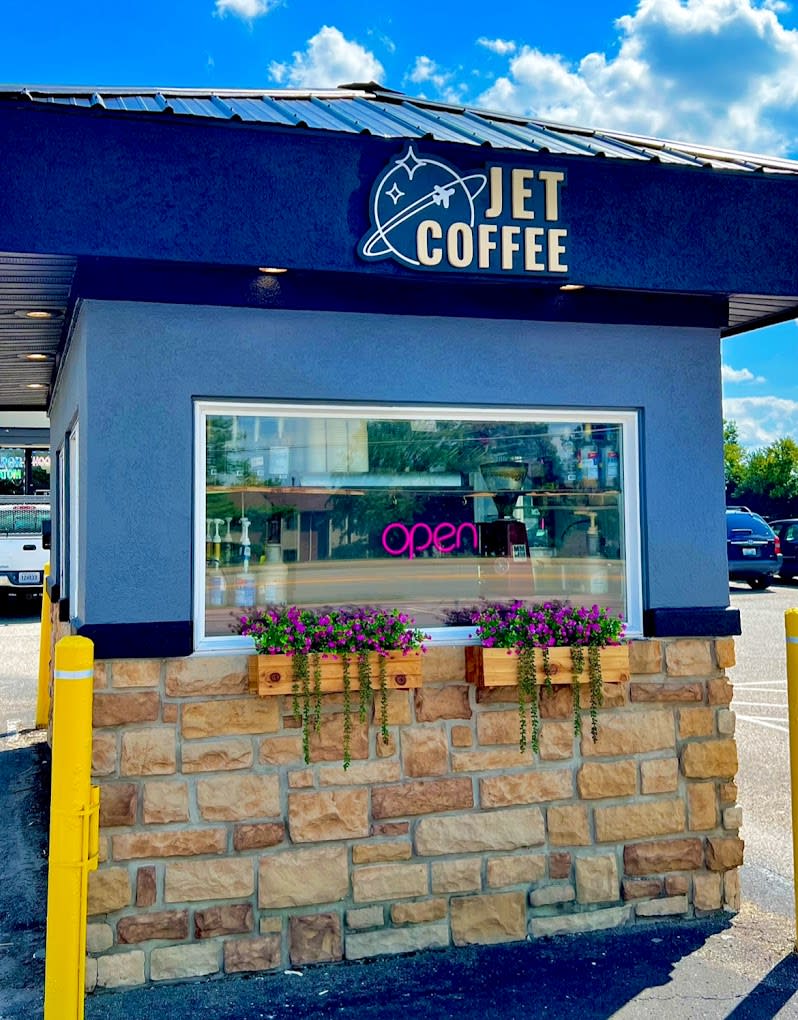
787 531
753 548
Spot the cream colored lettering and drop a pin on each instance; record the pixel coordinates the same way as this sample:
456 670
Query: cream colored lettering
520 193
460 245
551 181
496 193
509 245
485 244
427 230
555 250
532 248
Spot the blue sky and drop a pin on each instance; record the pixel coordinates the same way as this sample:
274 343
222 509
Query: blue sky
718 71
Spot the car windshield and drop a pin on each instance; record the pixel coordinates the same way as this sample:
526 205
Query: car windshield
23 519
739 526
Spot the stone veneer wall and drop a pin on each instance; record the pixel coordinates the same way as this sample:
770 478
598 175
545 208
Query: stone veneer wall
222 852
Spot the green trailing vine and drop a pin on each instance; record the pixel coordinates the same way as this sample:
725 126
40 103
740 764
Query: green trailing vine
383 680
347 748
528 703
577 669
596 687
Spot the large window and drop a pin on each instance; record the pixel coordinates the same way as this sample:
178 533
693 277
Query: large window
427 509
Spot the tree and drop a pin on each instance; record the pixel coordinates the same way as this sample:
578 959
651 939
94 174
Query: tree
734 460
772 477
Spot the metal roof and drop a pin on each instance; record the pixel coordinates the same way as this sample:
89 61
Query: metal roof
42 283
371 109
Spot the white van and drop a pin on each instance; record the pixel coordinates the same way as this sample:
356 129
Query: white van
22 555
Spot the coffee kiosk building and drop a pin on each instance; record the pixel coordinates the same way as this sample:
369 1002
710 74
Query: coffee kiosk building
349 348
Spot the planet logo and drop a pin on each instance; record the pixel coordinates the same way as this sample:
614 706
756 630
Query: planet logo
412 192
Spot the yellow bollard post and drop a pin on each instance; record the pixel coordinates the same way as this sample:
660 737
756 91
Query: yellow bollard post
45 635
74 819
791 629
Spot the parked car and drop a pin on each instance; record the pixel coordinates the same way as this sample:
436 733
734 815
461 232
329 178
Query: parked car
787 530
22 549
754 549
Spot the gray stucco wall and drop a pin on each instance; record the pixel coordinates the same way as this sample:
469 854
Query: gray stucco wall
145 364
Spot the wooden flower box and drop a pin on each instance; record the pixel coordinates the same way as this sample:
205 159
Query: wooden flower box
498 667
272 674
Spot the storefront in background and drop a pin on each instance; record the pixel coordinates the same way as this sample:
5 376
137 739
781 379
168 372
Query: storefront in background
325 350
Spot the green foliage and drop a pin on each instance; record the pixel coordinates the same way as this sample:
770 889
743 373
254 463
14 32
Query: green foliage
765 480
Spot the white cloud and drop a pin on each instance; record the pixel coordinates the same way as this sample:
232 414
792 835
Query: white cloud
426 71
246 9
501 46
329 60
739 375
762 420
722 72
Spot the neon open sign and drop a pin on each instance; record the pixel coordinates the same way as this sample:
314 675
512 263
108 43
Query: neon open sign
398 539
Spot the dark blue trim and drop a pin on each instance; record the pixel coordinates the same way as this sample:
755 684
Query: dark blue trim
160 640
701 621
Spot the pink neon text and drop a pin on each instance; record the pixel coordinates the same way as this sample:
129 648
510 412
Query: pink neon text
444 537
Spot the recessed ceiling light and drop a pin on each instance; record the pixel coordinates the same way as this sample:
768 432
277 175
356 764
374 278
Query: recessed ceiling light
39 313
36 357
36 386
271 269
572 286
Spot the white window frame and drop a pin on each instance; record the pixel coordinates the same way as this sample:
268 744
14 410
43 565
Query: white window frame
60 461
628 420
74 518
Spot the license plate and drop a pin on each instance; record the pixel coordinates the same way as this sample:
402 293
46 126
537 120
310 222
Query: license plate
750 550
30 577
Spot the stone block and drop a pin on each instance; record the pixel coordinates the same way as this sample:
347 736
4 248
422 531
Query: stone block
732 818
258 836
385 748
668 906
295 878
150 752
512 829
421 798
489 761
121 970
315 938
702 807
552 895
728 793
597 879
641 888
421 912
707 890
136 673
109 890
281 750
689 657
118 804
462 736
301 779
270 925
710 759
365 773
173 843
201 676
560 864
667 692
217 755
163 803
724 853
172 963
719 691
532 787
390 828
724 652
397 708
645 657
488 919
100 675
522 870
219 718
556 741
501 727
90 976
434 704
727 722
666 855
103 754
110 709
659 775
443 665
328 743
389 882
385 942
457 876
696 722
624 734
333 814
595 780
593 920
425 751
238 797
189 881
365 917
633 821
99 937
169 712
146 889
731 890
568 825
226 919
252 954
165 924
380 853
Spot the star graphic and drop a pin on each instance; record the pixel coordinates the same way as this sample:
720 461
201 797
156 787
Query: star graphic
395 192
411 163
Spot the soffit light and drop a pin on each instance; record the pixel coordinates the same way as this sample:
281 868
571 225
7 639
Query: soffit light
271 269
572 286
36 357
36 386
39 314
